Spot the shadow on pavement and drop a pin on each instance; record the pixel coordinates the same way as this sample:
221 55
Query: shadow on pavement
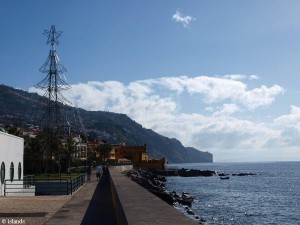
100 210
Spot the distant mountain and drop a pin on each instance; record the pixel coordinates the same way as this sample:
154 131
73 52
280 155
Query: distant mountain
22 108
194 154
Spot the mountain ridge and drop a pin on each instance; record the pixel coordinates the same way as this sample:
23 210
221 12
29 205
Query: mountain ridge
114 127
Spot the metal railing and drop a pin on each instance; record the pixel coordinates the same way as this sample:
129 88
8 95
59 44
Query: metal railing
32 186
76 183
19 187
28 181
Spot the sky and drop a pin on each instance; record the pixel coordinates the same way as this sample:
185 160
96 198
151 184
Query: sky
220 76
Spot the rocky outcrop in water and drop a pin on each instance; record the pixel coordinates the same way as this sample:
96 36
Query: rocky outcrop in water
156 185
185 173
236 174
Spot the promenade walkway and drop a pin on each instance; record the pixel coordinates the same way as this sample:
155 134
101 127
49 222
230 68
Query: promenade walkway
91 205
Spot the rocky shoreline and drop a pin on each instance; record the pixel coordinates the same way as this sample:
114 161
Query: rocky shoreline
156 185
154 182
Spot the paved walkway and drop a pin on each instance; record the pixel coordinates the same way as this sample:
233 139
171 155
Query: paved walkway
91 205
34 210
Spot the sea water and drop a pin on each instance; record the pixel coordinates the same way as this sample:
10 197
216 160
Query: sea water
270 197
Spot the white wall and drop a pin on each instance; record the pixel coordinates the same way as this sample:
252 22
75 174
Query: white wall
11 150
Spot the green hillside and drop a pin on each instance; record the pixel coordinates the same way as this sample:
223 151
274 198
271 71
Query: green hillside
24 109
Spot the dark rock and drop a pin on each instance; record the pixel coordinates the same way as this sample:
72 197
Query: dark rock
195 173
223 174
164 196
244 174
185 173
189 211
155 184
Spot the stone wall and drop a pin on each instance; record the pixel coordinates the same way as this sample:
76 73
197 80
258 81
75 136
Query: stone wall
154 164
135 205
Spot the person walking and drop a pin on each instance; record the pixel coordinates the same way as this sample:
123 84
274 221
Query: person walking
99 172
88 173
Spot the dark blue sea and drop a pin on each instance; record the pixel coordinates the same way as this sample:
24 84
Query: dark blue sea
270 197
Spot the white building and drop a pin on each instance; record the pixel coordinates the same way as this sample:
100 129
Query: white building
80 149
11 161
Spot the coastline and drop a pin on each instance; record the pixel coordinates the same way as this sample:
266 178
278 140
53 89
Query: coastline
154 182
135 205
269 197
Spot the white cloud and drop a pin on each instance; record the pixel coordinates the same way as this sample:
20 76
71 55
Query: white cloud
216 90
288 127
157 104
180 18
209 109
262 96
227 110
292 118
241 77
254 77
235 76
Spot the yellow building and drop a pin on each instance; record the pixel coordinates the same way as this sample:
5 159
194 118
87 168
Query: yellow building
138 156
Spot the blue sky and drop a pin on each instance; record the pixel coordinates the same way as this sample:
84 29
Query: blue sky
221 76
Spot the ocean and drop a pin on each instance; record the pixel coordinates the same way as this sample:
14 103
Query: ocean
270 197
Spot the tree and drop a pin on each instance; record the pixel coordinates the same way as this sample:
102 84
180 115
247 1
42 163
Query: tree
104 151
33 154
69 149
14 131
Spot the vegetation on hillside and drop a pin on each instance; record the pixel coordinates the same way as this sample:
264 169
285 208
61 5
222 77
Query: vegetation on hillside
24 109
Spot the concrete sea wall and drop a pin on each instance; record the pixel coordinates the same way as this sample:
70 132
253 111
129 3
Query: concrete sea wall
135 205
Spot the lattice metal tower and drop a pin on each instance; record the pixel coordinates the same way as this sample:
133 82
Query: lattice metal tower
54 119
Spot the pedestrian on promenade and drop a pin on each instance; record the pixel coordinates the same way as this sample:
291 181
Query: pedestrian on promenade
99 172
88 173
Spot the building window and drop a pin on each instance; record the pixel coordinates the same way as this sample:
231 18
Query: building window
12 171
19 171
2 172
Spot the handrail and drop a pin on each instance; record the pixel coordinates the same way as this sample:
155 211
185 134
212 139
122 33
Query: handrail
31 185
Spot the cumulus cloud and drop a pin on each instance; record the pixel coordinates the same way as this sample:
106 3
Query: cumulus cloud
288 127
180 18
227 110
292 118
158 104
217 90
262 96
